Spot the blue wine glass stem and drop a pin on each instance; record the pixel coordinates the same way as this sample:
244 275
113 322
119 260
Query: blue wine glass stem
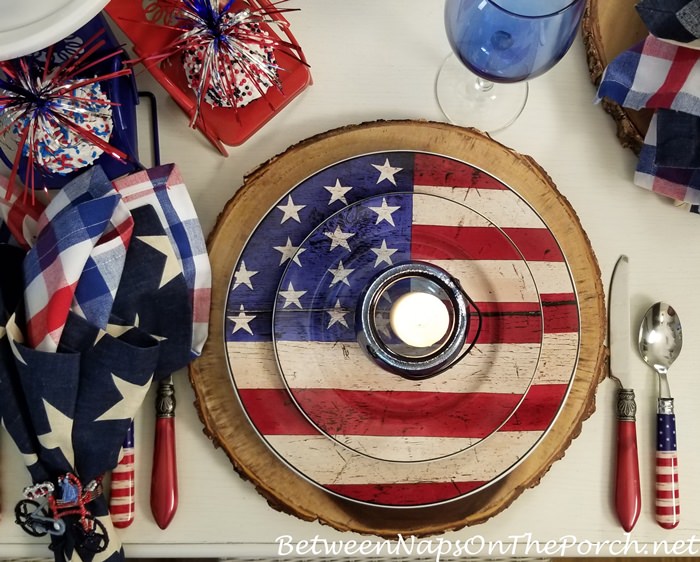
483 85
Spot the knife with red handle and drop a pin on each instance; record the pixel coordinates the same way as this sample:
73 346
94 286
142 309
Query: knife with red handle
164 495
628 496
627 485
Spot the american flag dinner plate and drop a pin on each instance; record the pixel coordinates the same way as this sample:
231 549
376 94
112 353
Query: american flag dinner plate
354 400
317 400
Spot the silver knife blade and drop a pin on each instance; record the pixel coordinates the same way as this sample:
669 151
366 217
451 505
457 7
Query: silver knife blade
619 333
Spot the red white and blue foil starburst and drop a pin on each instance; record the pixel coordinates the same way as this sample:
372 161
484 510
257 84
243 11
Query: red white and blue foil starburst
58 116
225 49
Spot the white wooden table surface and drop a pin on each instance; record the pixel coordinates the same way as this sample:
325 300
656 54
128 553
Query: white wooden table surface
378 59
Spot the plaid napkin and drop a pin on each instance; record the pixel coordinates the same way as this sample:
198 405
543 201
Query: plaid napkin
82 240
681 184
654 74
665 77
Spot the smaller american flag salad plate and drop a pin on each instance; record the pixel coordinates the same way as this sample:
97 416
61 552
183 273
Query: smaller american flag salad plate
320 398
355 400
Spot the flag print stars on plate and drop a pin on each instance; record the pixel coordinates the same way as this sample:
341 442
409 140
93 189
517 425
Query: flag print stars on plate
316 399
277 240
340 260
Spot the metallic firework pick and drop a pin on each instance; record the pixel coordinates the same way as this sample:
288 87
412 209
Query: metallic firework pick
59 149
232 85
57 113
224 48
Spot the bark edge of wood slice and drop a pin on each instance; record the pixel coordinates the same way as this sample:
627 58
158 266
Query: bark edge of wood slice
605 37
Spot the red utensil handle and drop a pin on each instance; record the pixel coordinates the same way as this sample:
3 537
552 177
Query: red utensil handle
164 493
628 496
122 494
668 505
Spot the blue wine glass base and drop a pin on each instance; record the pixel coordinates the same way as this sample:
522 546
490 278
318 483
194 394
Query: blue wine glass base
471 101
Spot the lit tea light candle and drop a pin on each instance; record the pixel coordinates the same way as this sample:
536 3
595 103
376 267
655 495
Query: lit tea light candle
419 319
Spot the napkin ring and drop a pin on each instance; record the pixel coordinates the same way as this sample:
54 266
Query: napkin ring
45 505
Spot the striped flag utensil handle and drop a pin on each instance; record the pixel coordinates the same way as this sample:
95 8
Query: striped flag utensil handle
164 489
122 495
667 496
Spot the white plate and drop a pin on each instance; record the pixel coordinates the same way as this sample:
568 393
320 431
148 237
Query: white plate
30 25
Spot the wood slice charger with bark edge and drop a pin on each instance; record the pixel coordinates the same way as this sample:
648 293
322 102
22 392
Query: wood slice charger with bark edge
227 425
609 28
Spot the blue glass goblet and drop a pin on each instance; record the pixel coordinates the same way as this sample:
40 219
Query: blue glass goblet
498 45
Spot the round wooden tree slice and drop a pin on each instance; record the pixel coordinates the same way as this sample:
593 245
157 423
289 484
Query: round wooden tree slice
229 426
609 28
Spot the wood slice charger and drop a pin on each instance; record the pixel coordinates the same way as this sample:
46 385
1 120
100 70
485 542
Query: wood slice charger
226 423
609 28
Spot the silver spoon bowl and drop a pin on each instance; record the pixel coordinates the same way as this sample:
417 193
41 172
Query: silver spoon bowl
660 341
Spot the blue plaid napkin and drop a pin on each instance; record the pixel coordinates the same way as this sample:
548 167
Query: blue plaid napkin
654 74
76 260
658 75
681 184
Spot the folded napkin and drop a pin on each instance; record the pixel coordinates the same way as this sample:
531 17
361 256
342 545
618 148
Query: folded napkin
679 183
83 236
64 380
672 20
654 74
96 302
164 190
662 73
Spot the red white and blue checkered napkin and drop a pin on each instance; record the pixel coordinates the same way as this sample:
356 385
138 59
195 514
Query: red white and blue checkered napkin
665 77
77 259
654 74
679 183
64 370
